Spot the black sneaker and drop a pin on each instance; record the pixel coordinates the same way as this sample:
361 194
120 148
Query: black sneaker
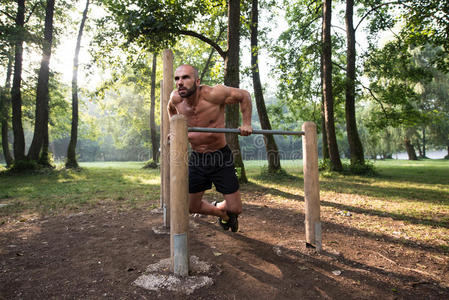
233 221
224 224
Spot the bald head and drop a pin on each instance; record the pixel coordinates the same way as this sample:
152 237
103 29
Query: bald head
189 68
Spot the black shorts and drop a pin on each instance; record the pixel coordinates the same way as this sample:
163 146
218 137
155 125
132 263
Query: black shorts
213 167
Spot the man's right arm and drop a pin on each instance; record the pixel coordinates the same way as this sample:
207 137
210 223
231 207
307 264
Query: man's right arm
171 108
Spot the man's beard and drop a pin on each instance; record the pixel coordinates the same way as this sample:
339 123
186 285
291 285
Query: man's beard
189 92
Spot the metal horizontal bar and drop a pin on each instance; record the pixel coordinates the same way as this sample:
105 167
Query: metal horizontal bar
236 130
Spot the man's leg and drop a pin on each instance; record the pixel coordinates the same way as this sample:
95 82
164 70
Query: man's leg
232 203
198 205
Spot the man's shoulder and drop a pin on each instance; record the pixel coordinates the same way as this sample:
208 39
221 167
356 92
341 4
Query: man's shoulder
175 98
213 94
213 91
208 88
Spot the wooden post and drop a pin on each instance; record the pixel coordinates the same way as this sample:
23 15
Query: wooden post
311 186
161 142
165 147
179 196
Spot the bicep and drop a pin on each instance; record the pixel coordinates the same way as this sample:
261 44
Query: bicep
237 96
171 108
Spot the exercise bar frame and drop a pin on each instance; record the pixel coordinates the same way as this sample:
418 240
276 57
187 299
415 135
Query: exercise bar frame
179 187
174 175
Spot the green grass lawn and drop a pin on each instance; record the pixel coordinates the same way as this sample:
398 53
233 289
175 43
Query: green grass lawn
416 193
123 184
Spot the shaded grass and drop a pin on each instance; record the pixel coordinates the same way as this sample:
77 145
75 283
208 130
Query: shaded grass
409 200
51 191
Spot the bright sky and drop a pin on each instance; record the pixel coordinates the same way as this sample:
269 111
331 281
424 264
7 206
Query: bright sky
62 57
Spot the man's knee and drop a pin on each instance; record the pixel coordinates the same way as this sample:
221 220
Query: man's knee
194 207
195 202
236 210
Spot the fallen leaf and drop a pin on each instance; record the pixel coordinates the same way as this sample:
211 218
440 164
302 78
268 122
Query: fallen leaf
336 272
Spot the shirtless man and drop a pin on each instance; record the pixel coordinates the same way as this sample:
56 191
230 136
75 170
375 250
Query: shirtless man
211 160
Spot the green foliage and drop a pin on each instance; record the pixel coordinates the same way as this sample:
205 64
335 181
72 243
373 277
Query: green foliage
394 77
24 166
298 60
324 165
210 64
407 92
153 25
297 53
151 164
366 169
426 22
273 176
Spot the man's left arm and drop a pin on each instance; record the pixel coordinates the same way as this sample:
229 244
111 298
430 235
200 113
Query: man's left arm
221 94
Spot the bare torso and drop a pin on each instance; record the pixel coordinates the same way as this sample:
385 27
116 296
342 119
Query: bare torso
203 113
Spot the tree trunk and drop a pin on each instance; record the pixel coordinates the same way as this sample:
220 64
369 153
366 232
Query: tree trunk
327 88
231 78
410 150
274 163
325 148
154 139
71 149
418 145
41 124
355 145
16 96
4 110
424 142
44 158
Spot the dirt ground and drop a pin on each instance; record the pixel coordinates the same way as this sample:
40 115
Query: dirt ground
99 253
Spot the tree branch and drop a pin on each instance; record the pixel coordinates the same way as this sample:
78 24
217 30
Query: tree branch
204 39
203 73
338 27
7 14
337 65
375 98
31 12
369 90
373 9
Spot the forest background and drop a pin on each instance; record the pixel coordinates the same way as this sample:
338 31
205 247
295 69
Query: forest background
373 75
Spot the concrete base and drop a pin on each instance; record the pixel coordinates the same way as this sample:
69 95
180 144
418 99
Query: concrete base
157 211
161 230
158 278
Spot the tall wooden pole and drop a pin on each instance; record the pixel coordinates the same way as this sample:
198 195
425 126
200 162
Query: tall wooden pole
165 148
311 186
161 142
179 196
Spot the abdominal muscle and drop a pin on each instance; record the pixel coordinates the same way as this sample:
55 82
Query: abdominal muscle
206 142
